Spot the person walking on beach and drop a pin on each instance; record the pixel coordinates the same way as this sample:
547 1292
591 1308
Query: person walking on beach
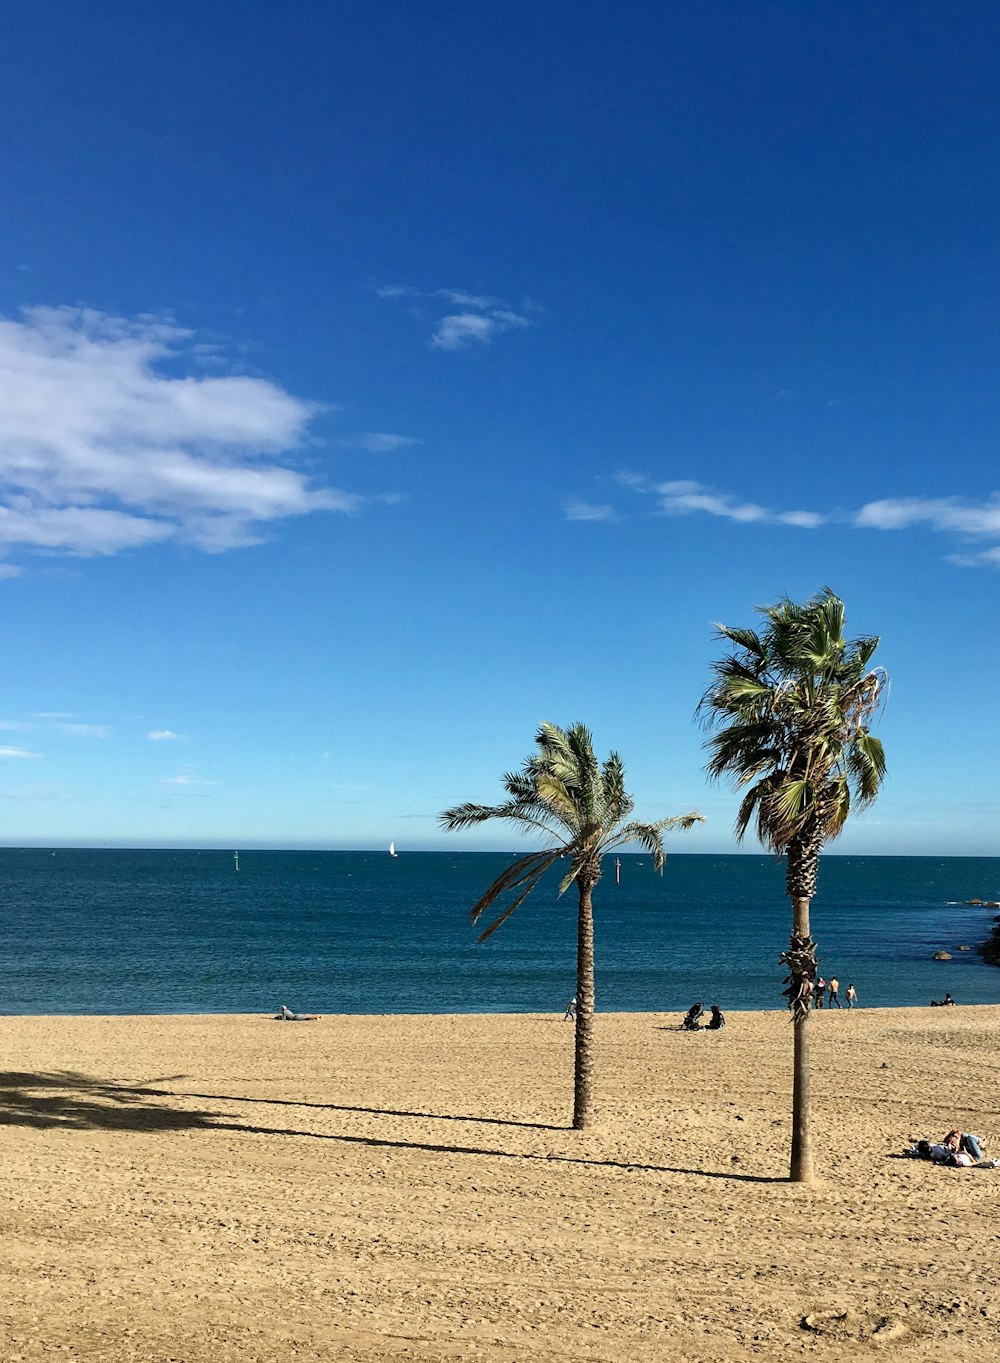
851 996
818 990
570 1012
833 996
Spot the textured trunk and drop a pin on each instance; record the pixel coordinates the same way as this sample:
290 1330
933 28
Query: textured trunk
584 1050
802 1158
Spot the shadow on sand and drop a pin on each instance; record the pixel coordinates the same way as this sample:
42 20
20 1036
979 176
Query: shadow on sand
79 1102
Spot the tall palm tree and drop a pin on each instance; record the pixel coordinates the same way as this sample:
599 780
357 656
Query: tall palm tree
790 708
563 794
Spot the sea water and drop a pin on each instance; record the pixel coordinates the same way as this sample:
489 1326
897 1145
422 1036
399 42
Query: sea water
99 931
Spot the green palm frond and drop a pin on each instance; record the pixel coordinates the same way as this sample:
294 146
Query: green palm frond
866 764
519 878
579 805
788 712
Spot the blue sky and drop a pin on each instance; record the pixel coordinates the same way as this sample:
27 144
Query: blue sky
378 379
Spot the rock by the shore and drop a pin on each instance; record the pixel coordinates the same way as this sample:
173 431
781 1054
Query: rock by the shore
942 955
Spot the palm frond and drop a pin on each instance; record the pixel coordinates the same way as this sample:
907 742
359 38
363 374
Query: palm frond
520 878
788 711
580 805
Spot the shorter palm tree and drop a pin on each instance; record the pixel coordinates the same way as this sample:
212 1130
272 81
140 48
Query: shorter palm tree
562 793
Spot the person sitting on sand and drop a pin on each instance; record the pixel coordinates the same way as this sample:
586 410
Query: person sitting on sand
690 1021
286 1015
717 1021
946 1002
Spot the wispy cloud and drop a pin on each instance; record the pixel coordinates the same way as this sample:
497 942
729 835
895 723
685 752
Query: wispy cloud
163 736
102 451
577 510
957 517
941 513
185 780
459 320
58 721
18 752
683 498
379 442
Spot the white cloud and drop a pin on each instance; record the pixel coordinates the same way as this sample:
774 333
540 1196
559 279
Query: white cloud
682 498
101 450
162 736
18 752
577 510
85 730
941 513
805 520
462 329
953 516
185 781
379 442
479 322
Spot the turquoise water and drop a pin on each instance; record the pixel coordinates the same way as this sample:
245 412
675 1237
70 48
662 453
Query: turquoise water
358 932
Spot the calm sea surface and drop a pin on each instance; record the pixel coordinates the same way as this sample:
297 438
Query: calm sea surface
358 932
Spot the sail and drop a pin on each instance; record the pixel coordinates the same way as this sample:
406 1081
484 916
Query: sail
392 849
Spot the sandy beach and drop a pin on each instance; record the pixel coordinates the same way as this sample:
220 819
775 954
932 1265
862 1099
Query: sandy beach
386 1188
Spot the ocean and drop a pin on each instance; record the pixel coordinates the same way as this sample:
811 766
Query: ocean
99 931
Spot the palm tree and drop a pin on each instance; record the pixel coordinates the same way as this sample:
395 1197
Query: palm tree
563 794
790 709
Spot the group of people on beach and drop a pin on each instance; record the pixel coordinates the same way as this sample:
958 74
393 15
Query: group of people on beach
826 993
692 1019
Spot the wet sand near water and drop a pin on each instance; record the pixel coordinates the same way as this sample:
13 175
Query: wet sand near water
207 1189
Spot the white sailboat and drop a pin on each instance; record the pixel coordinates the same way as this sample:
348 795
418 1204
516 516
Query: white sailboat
392 849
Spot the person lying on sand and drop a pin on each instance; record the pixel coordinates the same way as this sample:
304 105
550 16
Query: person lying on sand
958 1150
286 1015
946 1002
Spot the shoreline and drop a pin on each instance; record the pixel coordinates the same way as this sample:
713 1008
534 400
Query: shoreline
406 1188
517 1013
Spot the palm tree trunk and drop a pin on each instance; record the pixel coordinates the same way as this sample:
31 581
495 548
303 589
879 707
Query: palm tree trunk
802 1157
583 1063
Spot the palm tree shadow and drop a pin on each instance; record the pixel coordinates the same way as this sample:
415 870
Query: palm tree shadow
369 1111
73 1101
78 1102
382 1143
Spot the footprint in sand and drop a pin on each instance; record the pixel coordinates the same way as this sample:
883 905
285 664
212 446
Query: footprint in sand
847 1325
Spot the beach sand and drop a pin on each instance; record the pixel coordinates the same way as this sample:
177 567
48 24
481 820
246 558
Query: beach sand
209 1189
